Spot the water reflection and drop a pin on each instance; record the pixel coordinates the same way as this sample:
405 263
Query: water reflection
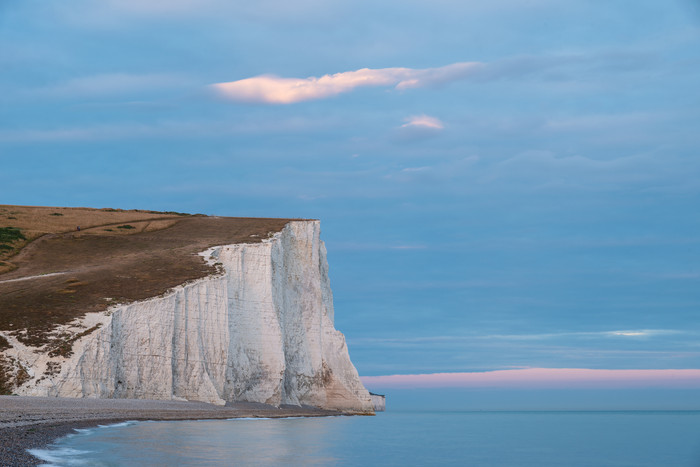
220 442
535 439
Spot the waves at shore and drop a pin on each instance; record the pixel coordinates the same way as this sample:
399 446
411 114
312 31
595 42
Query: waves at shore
32 423
58 457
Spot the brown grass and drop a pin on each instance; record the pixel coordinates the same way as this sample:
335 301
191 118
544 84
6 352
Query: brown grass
42 220
124 264
36 221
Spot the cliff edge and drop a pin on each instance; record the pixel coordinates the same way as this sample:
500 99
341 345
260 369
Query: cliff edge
257 328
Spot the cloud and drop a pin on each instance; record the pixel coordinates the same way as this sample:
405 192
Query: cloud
271 89
158 6
365 246
474 338
543 378
544 169
102 133
629 333
419 127
617 122
108 84
163 129
621 333
423 121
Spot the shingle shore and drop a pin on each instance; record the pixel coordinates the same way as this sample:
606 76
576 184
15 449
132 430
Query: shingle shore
32 422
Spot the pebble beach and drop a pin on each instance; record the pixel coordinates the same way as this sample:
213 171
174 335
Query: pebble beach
33 422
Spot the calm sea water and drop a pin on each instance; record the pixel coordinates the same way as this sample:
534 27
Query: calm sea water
396 438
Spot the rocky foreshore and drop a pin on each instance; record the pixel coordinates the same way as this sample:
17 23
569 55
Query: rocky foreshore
31 422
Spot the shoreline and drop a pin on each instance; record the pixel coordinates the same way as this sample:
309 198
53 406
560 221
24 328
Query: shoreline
36 422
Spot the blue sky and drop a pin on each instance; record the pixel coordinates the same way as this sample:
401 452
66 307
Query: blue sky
503 184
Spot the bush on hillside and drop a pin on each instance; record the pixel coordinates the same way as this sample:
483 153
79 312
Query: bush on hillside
11 234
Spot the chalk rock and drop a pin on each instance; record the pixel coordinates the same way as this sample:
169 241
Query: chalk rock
259 331
378 402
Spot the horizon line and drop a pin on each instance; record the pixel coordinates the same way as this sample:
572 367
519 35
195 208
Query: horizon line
543 378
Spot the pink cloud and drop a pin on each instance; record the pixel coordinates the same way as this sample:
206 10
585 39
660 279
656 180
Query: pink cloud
543 378
423 121
271 89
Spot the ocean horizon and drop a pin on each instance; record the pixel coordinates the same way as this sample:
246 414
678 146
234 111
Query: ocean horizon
475 437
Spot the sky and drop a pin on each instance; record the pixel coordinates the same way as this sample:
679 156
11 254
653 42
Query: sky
502 185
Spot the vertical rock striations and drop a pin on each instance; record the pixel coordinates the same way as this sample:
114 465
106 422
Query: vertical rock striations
260 331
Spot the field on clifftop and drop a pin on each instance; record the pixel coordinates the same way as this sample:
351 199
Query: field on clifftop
52 273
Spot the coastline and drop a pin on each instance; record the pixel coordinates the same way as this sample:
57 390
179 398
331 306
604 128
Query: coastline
35 422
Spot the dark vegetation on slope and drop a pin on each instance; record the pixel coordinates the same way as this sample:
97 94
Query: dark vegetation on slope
8 237
10 234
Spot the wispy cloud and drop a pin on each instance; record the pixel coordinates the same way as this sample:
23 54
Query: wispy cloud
170 129
113 84
364 246
620 333
472 338
629 333
271 89
423 121
159 6
101 133
419 127
543 378
617 121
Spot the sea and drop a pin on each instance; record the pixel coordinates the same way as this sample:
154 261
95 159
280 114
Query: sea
400 438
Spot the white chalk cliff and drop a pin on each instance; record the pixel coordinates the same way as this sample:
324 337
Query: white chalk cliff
261 330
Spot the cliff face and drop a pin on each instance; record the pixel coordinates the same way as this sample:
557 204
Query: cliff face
260 331
378 401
